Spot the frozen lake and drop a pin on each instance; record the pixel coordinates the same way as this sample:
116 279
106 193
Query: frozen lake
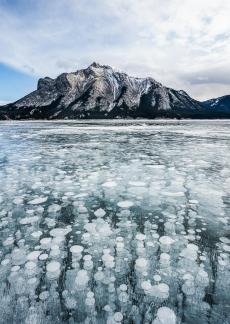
115 222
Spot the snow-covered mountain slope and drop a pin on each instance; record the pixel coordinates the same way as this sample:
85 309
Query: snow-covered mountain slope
219 106
101 92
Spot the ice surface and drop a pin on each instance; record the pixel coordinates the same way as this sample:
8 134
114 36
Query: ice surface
115 222
165 315
76 249
109 184
33 256
125 204
99 212
37 201
59 232
53 270
166 240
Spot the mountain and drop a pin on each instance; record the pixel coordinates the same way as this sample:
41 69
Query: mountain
219 106
101 92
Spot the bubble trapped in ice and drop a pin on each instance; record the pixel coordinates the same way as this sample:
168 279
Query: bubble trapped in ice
92 232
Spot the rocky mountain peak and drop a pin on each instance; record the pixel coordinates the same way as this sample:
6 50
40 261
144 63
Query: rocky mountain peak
96 65
99 91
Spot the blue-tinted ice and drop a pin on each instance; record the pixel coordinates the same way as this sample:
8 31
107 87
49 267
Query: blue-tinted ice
115 222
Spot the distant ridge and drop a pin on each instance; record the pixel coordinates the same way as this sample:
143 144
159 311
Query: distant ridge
101 92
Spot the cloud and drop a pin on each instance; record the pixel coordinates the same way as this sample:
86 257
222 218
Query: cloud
217 75
183 44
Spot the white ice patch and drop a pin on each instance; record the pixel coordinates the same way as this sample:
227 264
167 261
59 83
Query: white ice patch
99 213
37 201
165 315
125 204
109 184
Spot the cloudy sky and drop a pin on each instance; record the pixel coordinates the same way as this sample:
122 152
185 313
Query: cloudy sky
183 44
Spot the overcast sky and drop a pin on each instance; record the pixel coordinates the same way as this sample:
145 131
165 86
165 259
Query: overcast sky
182 44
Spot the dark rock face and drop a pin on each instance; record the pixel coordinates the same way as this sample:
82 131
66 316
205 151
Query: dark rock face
100 92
